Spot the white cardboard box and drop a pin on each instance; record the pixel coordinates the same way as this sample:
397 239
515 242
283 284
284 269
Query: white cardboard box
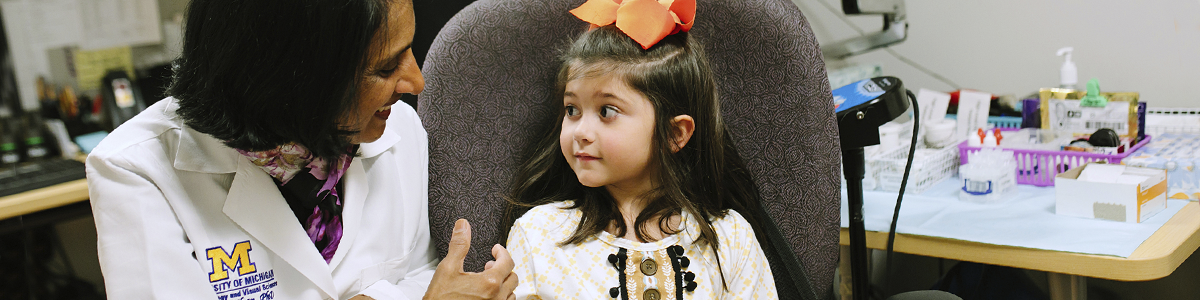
1124 202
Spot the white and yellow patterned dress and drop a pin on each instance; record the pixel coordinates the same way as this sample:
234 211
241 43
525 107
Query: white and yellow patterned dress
609 267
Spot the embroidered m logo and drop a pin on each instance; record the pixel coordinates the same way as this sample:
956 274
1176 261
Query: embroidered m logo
223 262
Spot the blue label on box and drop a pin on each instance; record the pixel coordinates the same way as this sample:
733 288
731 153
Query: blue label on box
977 187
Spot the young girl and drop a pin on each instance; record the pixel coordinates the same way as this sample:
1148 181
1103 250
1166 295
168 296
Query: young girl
638 193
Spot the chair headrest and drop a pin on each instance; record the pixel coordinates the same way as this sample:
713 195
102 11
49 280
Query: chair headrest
488 97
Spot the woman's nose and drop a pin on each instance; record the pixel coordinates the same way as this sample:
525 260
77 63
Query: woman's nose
411 80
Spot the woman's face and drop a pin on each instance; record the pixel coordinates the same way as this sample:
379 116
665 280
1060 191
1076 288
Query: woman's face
390 72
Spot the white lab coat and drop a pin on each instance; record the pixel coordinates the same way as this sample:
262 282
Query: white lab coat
171 203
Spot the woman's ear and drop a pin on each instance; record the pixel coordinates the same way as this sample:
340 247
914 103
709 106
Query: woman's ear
682 127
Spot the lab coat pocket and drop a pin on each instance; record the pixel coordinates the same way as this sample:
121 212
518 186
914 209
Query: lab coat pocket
392 271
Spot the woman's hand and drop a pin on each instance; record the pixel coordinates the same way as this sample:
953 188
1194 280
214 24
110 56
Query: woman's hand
497 281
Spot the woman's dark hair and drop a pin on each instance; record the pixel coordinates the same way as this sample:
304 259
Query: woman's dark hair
258 74
706 177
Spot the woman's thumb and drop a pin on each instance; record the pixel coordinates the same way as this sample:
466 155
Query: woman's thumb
460 244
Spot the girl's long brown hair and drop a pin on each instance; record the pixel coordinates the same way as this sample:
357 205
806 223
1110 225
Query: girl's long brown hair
706 177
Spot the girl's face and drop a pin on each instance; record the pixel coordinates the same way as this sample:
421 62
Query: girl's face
607 133
390 72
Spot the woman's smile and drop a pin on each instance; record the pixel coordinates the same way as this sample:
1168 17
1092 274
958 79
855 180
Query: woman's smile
385 111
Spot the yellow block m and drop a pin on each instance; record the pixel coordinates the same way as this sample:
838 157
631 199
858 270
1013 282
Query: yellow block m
239 259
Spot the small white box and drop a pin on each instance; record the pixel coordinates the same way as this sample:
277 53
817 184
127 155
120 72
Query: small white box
1119 199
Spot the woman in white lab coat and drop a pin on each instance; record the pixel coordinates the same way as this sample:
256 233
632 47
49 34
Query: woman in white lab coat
280 168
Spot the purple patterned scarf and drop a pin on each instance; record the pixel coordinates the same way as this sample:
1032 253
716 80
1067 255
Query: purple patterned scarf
310 189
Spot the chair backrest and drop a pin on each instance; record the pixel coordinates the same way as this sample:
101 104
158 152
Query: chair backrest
489 80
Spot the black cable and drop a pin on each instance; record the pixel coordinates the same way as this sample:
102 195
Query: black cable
912 151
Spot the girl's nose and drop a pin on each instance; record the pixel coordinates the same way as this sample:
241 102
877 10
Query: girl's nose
583 132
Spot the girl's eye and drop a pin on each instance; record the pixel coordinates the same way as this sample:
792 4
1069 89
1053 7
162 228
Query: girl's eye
608 111
572 111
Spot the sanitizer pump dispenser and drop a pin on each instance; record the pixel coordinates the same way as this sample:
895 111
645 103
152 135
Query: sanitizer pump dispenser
1068 75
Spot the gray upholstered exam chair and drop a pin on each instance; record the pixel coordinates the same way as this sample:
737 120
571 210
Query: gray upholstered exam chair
489 80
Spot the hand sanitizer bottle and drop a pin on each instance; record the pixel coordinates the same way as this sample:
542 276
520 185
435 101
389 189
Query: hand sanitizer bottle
1068 76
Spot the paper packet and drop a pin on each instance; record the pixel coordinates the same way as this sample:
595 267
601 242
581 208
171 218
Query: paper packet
1062 113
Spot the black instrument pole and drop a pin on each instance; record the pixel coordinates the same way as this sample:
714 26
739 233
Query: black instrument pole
854 168
863 107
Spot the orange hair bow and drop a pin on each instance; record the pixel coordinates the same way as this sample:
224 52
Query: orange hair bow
646 21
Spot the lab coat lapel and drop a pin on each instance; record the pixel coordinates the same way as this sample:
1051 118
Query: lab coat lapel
256 205
356 189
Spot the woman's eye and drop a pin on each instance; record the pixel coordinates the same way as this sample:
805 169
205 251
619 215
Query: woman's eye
388 72
572 111
608 112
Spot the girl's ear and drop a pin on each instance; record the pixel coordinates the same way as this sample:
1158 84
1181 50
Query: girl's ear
682 127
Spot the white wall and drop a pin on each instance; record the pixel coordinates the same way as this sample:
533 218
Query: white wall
1008 46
